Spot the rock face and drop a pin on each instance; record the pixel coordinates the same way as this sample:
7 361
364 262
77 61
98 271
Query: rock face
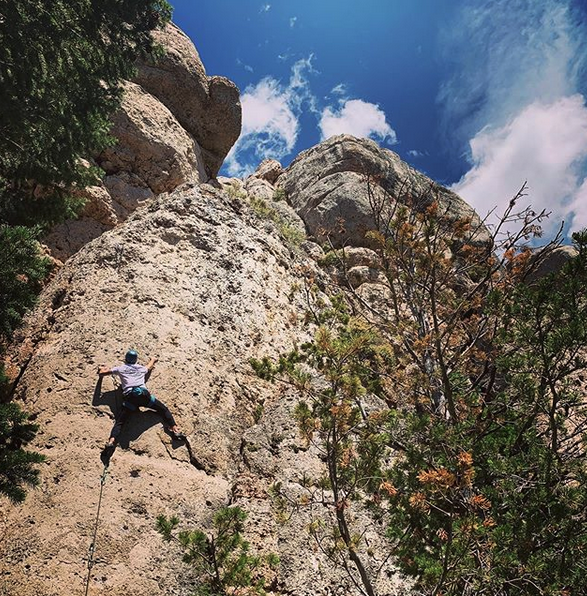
207 107
199 280
175 125
551 262
203 276
269 170
152 146
327 186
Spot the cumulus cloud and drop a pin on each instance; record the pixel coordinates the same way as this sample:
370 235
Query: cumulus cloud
271 113
356 117
265 8
415 153
513 102
545 144
293 21
271 118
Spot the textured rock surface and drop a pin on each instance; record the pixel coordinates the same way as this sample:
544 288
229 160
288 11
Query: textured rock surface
269 169
552 261
151 145
207 107
196 279
176 129
99 215
327 186
254 188
259 188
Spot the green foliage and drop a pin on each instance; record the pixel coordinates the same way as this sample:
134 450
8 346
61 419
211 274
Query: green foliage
280 194
264 210
332 258
221 558
450 411
61 65
258 412
4 384
290 233
22 270
16 464
234 191
348 357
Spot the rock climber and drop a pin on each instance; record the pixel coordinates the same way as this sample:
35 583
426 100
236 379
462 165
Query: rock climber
136 395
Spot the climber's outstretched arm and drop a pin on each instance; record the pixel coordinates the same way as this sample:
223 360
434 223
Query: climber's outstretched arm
151 364
104 370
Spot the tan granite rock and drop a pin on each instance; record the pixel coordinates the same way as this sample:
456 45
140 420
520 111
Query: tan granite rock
328 186
207 107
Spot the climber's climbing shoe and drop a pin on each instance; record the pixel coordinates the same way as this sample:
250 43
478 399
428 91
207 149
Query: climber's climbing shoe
178 436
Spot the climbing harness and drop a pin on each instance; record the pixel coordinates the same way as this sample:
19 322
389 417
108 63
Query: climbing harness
92 549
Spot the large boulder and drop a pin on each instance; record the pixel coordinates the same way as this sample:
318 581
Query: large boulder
269 170
176 128
153 154
152 145
329 185
207 107
550 260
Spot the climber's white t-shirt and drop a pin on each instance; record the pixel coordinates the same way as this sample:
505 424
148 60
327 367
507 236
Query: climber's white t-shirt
131 375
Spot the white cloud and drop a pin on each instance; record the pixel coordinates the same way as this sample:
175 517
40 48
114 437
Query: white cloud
513 102
271 119
356 117
545 144
293 21
265 8
578 208
247 67
505 55
415 153
340 89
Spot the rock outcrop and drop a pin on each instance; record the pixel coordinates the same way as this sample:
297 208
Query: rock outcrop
207 107
327 186
195 279
175 125
551 262
205 277
269 170
152 146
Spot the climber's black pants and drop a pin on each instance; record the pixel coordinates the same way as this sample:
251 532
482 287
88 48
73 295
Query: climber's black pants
140 397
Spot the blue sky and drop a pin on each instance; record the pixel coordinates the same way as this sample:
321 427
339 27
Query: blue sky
479 94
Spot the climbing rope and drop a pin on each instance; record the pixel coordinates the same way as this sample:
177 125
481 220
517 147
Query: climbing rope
92 549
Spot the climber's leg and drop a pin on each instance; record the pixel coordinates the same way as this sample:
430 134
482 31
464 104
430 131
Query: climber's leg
120 421
167 416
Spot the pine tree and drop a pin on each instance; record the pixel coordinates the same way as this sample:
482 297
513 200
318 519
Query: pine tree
16 464
61 65
22 270
221 557
448 408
